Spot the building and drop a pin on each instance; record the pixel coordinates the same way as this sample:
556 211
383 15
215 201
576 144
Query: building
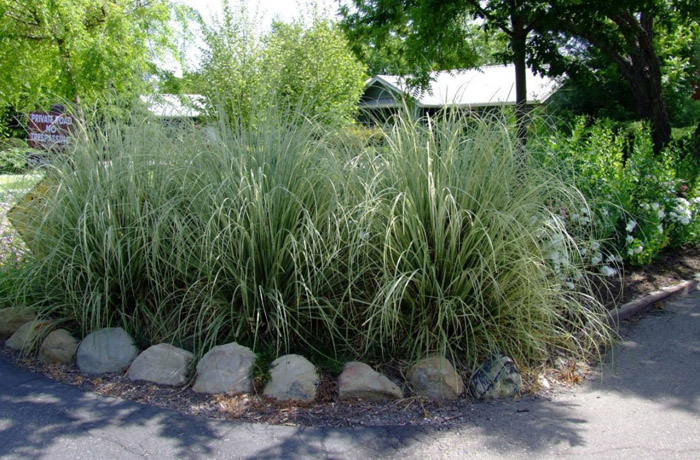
474 89
174 107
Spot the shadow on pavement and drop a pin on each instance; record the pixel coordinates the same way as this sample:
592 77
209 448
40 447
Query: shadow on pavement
659 357
40 418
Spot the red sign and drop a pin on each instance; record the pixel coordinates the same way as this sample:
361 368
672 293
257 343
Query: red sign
49 131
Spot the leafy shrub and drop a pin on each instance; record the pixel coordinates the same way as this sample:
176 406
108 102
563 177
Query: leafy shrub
640 202
13 161
281 236
13 156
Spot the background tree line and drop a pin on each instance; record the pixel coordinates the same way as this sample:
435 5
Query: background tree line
629 59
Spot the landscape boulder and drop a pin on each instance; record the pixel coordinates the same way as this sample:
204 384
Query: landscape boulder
12 318
225 369
163 364
435 378
292 377
358 380
26 338
59 347
106 350
497 377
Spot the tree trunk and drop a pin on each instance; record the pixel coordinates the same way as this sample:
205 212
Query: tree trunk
518 44
643 72
647 80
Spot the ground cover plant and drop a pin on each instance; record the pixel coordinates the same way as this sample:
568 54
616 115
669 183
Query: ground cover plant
285 235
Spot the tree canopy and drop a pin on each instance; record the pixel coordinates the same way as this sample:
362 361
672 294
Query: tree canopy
646 40
76 50
302 66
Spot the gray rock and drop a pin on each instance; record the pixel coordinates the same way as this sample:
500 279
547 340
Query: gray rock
59 347
292 377
496 378
162 363
435 378
225 369
27 337
12 318
106 350
358 380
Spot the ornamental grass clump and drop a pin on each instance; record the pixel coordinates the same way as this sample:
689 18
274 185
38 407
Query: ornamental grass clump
464 229
287 235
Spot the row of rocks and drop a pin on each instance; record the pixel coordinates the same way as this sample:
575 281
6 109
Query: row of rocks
228 368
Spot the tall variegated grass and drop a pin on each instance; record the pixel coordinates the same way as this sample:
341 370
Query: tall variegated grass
286 235
463 231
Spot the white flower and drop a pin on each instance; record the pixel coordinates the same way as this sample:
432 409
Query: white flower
661 214
569 285
604 212
660 228
595 245
598 258
629 239
655 206
607 271
630 226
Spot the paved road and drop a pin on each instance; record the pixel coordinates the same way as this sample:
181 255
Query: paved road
647 405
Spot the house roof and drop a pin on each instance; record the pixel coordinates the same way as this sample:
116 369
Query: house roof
174 105
485 86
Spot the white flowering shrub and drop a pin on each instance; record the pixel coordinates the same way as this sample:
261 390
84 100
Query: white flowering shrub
639 202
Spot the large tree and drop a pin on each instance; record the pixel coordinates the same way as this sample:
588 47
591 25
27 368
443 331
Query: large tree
436 34
306 66
627 33
74 50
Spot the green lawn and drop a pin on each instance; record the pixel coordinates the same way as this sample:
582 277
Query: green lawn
10 182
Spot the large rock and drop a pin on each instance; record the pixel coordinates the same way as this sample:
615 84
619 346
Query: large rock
292 377
59 347
358 380
162 363
106 350
435 378
12 318
225 369
498 377
27 337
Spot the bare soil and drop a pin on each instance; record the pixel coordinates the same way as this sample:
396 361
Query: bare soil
673 266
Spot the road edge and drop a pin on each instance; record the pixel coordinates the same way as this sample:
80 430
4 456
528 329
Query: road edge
644 304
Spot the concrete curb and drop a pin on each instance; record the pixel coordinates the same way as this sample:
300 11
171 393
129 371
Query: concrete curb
646 303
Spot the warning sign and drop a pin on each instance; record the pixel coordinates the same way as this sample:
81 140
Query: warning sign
49 131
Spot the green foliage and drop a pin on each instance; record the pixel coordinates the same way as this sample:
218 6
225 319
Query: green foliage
281 237
313 69
232 62
13 160
66 49
640 202
293 67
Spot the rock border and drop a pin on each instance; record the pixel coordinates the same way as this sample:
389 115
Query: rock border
642 305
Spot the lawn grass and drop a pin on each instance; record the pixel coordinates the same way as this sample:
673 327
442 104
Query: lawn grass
18 182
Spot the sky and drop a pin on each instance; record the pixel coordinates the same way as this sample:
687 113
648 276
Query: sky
285 10
267 10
